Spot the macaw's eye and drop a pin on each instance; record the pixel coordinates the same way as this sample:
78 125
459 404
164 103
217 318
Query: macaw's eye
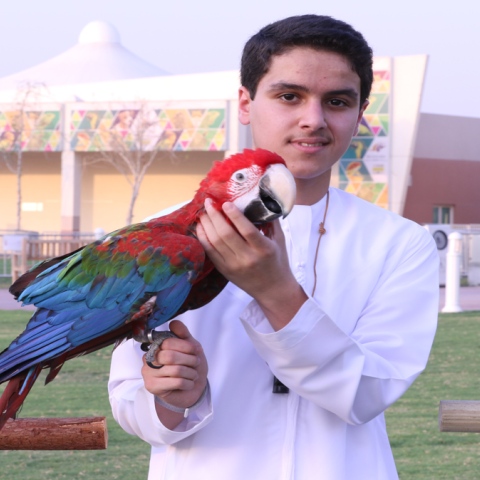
240 177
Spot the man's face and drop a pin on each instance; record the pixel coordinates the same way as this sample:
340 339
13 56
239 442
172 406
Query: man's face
306 109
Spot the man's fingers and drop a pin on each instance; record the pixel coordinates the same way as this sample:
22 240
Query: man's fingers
180 329
278 235
242 223
174 357
185 343
249 233
230 231
207 235
180 371
169 378
220 233
184 368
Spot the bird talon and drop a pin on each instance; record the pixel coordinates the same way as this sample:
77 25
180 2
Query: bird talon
156 338
152 365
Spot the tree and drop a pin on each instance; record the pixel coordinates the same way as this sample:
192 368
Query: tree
130 145
19 131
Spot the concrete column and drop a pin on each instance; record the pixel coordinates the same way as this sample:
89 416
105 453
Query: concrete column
71 178
71 188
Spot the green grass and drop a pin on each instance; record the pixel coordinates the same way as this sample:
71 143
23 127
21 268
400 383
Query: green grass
80 390
421 450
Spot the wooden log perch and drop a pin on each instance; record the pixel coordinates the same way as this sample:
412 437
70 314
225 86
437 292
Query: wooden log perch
87 433
459 416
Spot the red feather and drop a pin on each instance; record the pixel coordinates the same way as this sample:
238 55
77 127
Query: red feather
214 185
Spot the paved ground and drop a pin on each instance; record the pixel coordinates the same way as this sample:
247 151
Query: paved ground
7 302
469 299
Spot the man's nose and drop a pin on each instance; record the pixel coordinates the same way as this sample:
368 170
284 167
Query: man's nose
313 116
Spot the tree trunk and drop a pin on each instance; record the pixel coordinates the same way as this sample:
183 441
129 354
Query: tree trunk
19 188
133 199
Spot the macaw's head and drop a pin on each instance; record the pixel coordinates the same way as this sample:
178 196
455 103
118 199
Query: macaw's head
256 181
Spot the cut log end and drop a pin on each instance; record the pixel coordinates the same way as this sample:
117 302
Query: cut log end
83 433
459 416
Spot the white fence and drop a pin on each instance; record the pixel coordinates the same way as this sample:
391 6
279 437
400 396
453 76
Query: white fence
20 250
16 255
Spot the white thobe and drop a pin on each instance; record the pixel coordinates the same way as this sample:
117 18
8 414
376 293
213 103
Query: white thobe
350 352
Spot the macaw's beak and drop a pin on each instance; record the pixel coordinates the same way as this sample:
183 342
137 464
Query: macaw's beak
276 195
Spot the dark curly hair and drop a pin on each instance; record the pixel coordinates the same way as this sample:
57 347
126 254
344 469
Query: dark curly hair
314 31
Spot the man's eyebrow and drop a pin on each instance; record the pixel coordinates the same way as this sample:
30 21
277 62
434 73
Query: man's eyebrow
279 86
287 86
349 92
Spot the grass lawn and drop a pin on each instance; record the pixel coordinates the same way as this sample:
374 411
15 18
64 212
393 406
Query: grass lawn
80 390
420 450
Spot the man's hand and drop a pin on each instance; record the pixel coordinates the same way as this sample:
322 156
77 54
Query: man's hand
255 263
183 377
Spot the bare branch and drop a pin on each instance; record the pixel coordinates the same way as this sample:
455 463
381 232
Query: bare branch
130 146
21 129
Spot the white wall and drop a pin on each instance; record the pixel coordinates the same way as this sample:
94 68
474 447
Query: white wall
407 82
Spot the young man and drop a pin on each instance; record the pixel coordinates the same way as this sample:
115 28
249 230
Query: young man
345 319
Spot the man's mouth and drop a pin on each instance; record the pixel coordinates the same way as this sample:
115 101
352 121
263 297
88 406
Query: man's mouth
313 144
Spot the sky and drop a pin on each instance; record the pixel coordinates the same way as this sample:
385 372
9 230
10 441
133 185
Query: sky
191 36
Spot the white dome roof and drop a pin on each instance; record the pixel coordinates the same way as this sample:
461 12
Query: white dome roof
99 32
98 56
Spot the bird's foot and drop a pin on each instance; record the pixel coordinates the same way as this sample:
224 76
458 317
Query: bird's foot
144 311
151 342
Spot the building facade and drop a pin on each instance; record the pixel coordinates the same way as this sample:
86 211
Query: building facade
444 184
97 103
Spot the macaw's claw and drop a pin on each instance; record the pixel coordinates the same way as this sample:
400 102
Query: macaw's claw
156 339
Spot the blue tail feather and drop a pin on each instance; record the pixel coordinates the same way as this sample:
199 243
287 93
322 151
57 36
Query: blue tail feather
14 366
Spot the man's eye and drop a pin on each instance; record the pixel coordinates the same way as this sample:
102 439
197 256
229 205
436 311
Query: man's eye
337 102
289 97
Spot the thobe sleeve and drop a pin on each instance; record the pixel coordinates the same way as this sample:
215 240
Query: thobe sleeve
133 407
358 374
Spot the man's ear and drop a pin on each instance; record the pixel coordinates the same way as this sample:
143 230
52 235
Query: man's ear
244 101
360 115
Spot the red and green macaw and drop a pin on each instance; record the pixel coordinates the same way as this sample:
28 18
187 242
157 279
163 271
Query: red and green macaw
134 279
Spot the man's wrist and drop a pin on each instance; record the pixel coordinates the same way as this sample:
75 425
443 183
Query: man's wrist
281 309
184 411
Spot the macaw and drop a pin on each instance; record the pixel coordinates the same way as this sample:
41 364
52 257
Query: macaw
132 280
